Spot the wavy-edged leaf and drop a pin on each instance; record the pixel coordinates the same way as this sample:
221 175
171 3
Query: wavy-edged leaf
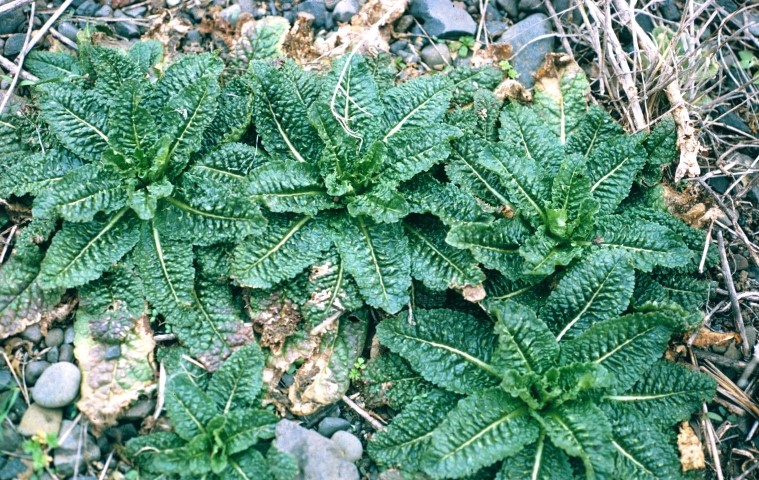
539 461
666 394
131 126
625 346
247 465
495 245
417 103
425 194
436 263
642 451
287 246
82 193
661 147
612 168
525 344
146 53
22 301
672 287
49 65
81 252
34 173
521 290
377 256
289 186
451 349
527 185
595 289
648 244
149 451
233 115
409 435
582 430
389 380
187 70
595 128
281 113
113 69
209 221
188 407
572 203
479 431
467 82
523 132
166 269
416 150
561 97
236 384
542 254
246 428
465 170
331 292
76 119
382 204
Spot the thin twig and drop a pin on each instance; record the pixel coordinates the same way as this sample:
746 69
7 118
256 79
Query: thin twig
50 21
733 295
364 414
14 82
7 7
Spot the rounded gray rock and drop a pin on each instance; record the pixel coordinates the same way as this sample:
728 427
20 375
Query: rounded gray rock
34 370
329 425
349 444
58 386
66 353
530 39
68 335
436 56
344 10
32 332
54 337
442 18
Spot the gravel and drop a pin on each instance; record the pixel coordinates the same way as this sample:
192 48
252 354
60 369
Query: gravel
58 385
33 333
442 19
436 56
529 52
318 458
349 444
329 425
33 370
38 419
54 337
345 10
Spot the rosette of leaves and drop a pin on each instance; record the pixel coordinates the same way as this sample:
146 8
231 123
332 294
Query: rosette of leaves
340 147
560 181
600 405
220 431
142 166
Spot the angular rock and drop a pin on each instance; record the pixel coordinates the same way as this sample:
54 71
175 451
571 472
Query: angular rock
58 385
529 51
87 8
104 11
318 457
10 21
442 19
38 419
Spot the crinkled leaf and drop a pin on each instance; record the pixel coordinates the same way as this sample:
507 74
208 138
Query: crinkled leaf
245 428
233 115
416 150
383 204
539 461
34 173
523 132
479 431
389 380
596 288
237 382
331 292
188 407
446 201
560 97
495 245
417 103
468 81
542 254
665 287
451 349
49 65
146 53
612 167
468 173
131 126
571 200
290 186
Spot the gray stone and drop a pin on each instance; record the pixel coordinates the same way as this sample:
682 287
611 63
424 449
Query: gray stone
436 56
33 333
194 36
58 385
104 11
442 19
53 355
38 419
13 469
33 370
345 10
511 7
68 335
329 425
331 4
528 52
496 28
54 337
318 458
66 353
136 12
732 352
5 378
10 440
751 335
125 29
398 46
322 20
492 14
669 10
87 8
404 23
231 14
410 57
69 31
10 21
139 411
247 6
741 262
75 449
530 5
349 444
173 3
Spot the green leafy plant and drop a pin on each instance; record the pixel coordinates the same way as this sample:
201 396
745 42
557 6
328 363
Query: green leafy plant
38 447
537 404
219 428
463 45
358 366
508 69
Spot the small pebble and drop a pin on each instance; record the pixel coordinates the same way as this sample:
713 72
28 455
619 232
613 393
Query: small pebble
136 12
231 14
247 6
741 262
398 46
345 10
125 29
38 419
58 385
329 425
66 353
68 335
436 56
5 378
137 412
104 11
9 439
404 23
87 8
349 444
34 370
193 36
52 355
33 333
54 337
